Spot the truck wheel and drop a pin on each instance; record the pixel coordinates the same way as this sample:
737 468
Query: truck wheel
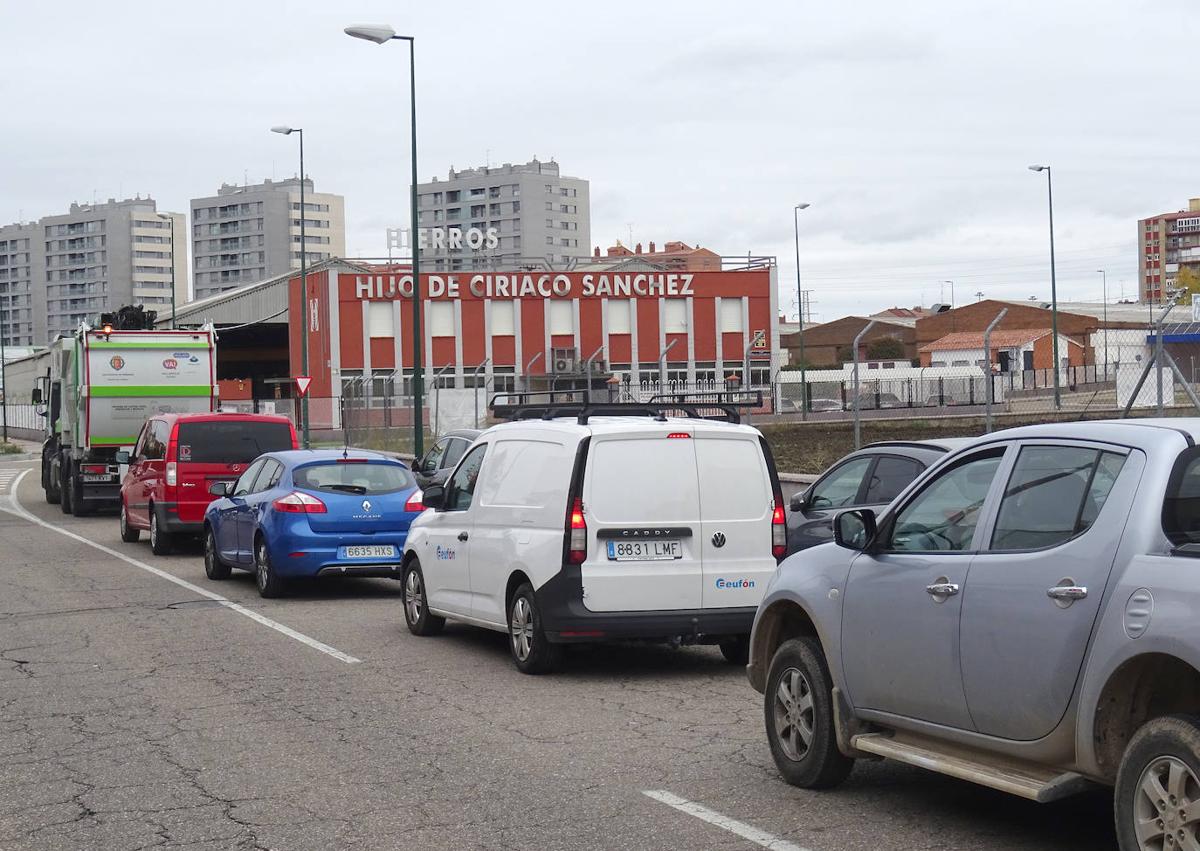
798 710
128 534
736 650
78 506
64 489
416 603
160 541
53 491
531 650
1158 786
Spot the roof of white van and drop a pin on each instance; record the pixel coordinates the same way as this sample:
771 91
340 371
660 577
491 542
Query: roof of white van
600 424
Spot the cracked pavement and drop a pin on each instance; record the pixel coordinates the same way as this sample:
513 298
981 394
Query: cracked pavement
135 716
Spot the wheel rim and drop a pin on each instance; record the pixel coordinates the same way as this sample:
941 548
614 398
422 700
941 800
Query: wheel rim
210 552
414 597
124 523
521 628
153 529
261 569
1167 808
794 714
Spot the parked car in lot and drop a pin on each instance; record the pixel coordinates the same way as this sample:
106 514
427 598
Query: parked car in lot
590 528
875 401
308 513
434 467
871 477
821 406
1022 616
177 457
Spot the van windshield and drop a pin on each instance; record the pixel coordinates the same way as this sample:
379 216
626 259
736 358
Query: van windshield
231 441
356 477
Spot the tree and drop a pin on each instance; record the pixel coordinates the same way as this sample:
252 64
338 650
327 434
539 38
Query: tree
1188 280
885 348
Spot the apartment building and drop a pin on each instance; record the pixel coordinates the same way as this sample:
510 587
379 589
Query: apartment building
535 210
250 233
1167 243
66 268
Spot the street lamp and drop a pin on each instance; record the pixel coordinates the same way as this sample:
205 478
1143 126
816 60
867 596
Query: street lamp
287 131
381 34
4 329
951 283
800 311
1104 284
1053 285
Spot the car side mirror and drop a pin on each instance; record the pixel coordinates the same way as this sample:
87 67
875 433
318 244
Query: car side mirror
220 488
854 529
434 497
799 501
122 456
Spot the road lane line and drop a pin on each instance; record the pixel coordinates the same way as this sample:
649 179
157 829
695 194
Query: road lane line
747 832
20 511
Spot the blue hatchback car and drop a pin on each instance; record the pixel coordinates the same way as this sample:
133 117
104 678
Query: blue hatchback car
311 513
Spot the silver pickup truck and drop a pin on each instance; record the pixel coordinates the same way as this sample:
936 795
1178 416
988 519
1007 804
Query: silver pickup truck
1025 615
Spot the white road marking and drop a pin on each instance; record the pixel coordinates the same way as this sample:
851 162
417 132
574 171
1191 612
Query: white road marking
747 832
20 511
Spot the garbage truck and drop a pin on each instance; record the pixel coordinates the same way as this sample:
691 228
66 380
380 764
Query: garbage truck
101 385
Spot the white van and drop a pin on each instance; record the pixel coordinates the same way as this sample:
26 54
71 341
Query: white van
595 528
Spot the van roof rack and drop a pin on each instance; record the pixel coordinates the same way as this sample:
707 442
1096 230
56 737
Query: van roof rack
724 405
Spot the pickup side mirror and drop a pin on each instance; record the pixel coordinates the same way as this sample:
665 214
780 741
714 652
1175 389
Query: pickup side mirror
220 488
434 497
122 456
854 529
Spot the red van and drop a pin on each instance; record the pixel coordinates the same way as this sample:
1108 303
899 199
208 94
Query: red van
177 458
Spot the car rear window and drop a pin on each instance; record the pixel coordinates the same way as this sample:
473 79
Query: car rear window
230 441
1181 507
354 477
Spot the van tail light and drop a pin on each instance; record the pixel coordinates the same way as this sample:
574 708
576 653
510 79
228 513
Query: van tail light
172 474
299 503
677 434
576 533
778 528
414 502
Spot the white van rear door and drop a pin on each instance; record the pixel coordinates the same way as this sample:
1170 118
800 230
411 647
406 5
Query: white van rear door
735 507
642 507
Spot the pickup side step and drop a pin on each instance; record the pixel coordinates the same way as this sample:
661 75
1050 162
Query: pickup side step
1035 782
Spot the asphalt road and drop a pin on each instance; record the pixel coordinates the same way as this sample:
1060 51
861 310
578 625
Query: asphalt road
137 712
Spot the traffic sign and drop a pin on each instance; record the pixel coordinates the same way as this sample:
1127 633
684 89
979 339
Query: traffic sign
302 382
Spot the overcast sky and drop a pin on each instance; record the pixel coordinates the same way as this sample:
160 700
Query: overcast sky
907 126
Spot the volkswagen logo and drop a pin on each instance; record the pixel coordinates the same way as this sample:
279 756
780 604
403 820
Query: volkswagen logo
718 539
366 505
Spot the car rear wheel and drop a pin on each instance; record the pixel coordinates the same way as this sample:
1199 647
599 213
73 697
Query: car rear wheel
416 604
160 541
736 650
214 568
270 584
128 534
531 650
798 710
1157 797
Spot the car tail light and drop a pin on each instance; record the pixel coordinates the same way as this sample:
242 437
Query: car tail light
299 503
172 473
778 528
576 533
95 469
414 501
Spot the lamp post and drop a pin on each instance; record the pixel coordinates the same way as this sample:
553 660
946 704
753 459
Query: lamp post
287 131
381 34
4 314
951 283
1053 284
800 312
1104 290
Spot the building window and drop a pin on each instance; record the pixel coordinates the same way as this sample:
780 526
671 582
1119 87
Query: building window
618 316
504 379
441 318
502 318
549 206
675 316
731 315
561 317
380 319
453 196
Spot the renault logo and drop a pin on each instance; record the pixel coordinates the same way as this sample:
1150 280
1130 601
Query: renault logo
718 539
366 505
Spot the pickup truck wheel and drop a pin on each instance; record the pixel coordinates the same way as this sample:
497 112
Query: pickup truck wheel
416 603
160 541
128 534
531 650
52 489
798 710
214 568
1157 798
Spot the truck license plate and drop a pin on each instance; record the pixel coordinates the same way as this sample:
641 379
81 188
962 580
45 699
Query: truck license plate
644 550
96 478
369 551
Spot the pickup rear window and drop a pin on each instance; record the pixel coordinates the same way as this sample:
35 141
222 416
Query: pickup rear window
1181 507
353 477
230 441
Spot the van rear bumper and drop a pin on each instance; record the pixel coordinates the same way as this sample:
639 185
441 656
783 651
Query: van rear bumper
169 520
565 619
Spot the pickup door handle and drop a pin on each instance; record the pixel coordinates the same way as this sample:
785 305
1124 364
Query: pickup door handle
462 536
942 589
1067 592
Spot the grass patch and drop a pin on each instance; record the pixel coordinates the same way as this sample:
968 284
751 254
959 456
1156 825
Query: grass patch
10 449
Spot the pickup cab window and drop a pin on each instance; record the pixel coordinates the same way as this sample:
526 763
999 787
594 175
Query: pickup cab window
944 515
1181 507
